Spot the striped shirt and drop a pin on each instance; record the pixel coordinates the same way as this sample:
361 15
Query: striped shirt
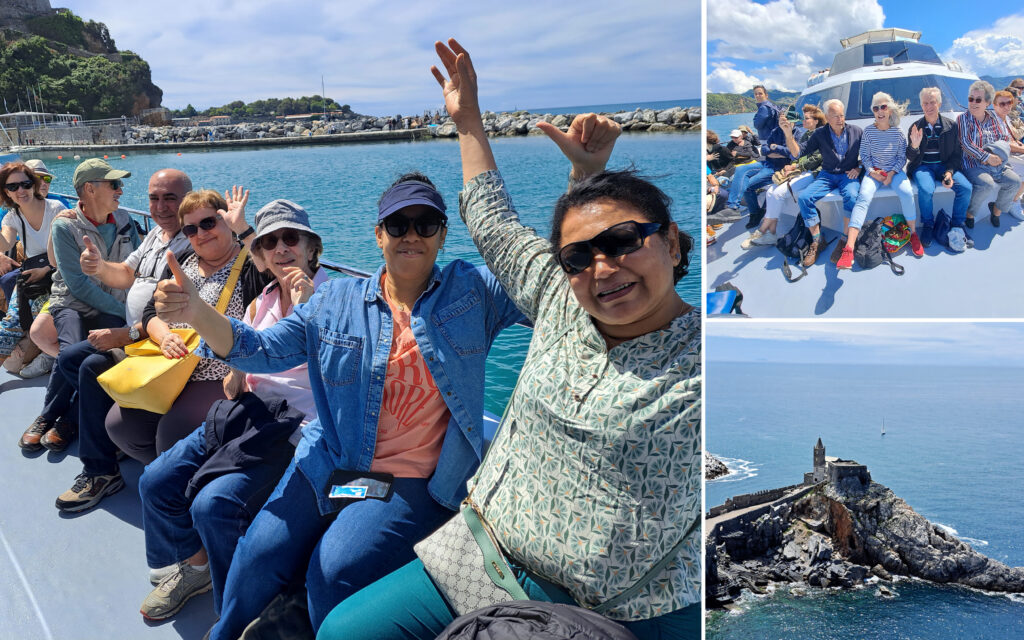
975 135
886 150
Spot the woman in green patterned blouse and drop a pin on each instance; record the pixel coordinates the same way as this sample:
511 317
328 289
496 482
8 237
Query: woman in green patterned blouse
592 485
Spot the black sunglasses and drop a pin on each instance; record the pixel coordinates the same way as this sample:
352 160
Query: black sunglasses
206 224
114 184
14 186
290 238
970 99
426 225
617 240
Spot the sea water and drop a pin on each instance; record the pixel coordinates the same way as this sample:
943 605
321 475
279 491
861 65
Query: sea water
339 185
952 450
723 125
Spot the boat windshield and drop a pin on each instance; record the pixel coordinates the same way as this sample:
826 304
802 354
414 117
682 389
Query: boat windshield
904 90
873 54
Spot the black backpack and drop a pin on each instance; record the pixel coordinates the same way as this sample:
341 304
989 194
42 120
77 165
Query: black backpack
869 250
794 245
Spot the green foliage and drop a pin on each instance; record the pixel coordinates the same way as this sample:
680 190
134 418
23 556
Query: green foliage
62 26
262 109
723 103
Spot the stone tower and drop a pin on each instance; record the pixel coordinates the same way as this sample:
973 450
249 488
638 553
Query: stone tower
819 455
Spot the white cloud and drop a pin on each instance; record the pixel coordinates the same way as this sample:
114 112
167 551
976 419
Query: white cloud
792 38
377 54
996 50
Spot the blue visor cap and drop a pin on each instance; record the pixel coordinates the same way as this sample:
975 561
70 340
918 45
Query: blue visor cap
409 193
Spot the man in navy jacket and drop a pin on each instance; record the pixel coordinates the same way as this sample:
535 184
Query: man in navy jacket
839 144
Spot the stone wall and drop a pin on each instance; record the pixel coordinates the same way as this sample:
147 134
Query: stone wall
71 136
848 476
16 12
750 499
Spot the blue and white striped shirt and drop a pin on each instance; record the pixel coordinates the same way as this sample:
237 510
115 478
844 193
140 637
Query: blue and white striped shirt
886 150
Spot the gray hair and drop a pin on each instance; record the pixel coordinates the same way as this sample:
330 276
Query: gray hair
895 110
834 102
930 91
984 87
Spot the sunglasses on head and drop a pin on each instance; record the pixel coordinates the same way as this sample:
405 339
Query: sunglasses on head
14 186
427 225
879 107
206 224
617 240
973 99
290 238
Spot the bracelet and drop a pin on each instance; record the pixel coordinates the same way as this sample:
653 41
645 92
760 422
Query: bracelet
245 234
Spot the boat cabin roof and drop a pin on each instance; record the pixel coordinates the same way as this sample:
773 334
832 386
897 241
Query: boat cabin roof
876 54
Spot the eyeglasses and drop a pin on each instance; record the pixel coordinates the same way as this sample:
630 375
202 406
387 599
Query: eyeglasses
426 225
14 186
978 100
45 178
1004 103
114 184
617 240
879 107
206 224
290 238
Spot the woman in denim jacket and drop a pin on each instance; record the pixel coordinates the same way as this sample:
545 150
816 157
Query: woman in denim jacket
396 365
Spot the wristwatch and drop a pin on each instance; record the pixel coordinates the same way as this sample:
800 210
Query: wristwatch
245 234
133 333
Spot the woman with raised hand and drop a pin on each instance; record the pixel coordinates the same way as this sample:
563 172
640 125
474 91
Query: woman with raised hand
396 364
592 485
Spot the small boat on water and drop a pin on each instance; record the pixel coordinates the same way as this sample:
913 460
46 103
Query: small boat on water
938 285
883 426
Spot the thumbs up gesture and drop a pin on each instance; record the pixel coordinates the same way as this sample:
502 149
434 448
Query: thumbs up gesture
90 259
176 299
587 144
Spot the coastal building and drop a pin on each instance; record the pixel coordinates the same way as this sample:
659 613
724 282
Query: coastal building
845 474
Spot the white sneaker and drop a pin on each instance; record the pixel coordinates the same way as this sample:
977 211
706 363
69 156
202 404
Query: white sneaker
766 239
40 365
156 575
751 239
1016 211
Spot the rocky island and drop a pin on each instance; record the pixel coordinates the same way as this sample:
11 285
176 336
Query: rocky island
836 529
713 467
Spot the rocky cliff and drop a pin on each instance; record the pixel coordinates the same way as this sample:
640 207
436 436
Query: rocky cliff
836 538
713 467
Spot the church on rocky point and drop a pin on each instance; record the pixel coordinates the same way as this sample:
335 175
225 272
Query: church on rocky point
847 474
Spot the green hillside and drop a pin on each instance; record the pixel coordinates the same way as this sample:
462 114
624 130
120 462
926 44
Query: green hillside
725 103
67 65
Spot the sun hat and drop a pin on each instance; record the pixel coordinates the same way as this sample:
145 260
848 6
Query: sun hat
94 170
408 193
736 133
282 214
38 167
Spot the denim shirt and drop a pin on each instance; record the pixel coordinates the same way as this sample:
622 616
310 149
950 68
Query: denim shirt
344 334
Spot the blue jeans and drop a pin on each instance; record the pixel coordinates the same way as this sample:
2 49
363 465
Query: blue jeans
755 181
848 188
990 183
868 187
926 177
218 516
7 282
72 328
338 554
81 364
739 183
406 604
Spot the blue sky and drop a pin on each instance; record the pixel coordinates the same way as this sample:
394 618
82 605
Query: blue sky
781 42
889 343
376 55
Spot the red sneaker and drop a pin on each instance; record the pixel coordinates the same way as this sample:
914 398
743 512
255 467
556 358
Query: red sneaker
915 245
846 259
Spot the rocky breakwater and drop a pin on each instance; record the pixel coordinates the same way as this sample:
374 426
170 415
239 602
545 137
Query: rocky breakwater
522 123
838 537
713 467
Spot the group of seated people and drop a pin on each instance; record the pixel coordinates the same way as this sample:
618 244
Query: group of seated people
969 156
329 425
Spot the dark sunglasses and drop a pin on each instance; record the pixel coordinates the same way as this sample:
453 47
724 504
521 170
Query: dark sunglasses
879 107
618 240
14 186
290 238
114 184
970 99
1004 103
206 224
426 225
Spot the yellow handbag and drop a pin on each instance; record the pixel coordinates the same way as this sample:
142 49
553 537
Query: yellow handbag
148 380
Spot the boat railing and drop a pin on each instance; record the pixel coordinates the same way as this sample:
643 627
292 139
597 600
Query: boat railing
147 224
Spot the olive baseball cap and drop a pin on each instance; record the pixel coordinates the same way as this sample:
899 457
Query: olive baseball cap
94 169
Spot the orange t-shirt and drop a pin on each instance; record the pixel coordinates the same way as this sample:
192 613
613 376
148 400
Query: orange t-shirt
413 417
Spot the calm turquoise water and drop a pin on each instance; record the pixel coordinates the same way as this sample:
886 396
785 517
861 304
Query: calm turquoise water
952 450
722 125
340 185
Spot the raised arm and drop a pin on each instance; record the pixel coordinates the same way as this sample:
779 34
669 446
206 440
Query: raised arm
461 100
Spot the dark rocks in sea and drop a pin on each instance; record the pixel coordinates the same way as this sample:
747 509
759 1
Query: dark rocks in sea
836 533
713 467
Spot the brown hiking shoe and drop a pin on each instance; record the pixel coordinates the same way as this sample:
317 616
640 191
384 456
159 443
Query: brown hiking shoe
30 439
812 253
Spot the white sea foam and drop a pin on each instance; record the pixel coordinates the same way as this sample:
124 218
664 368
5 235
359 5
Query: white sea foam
974 542
738 470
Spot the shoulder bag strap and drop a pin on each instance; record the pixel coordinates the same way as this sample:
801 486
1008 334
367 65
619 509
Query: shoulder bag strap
229 286
494 561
